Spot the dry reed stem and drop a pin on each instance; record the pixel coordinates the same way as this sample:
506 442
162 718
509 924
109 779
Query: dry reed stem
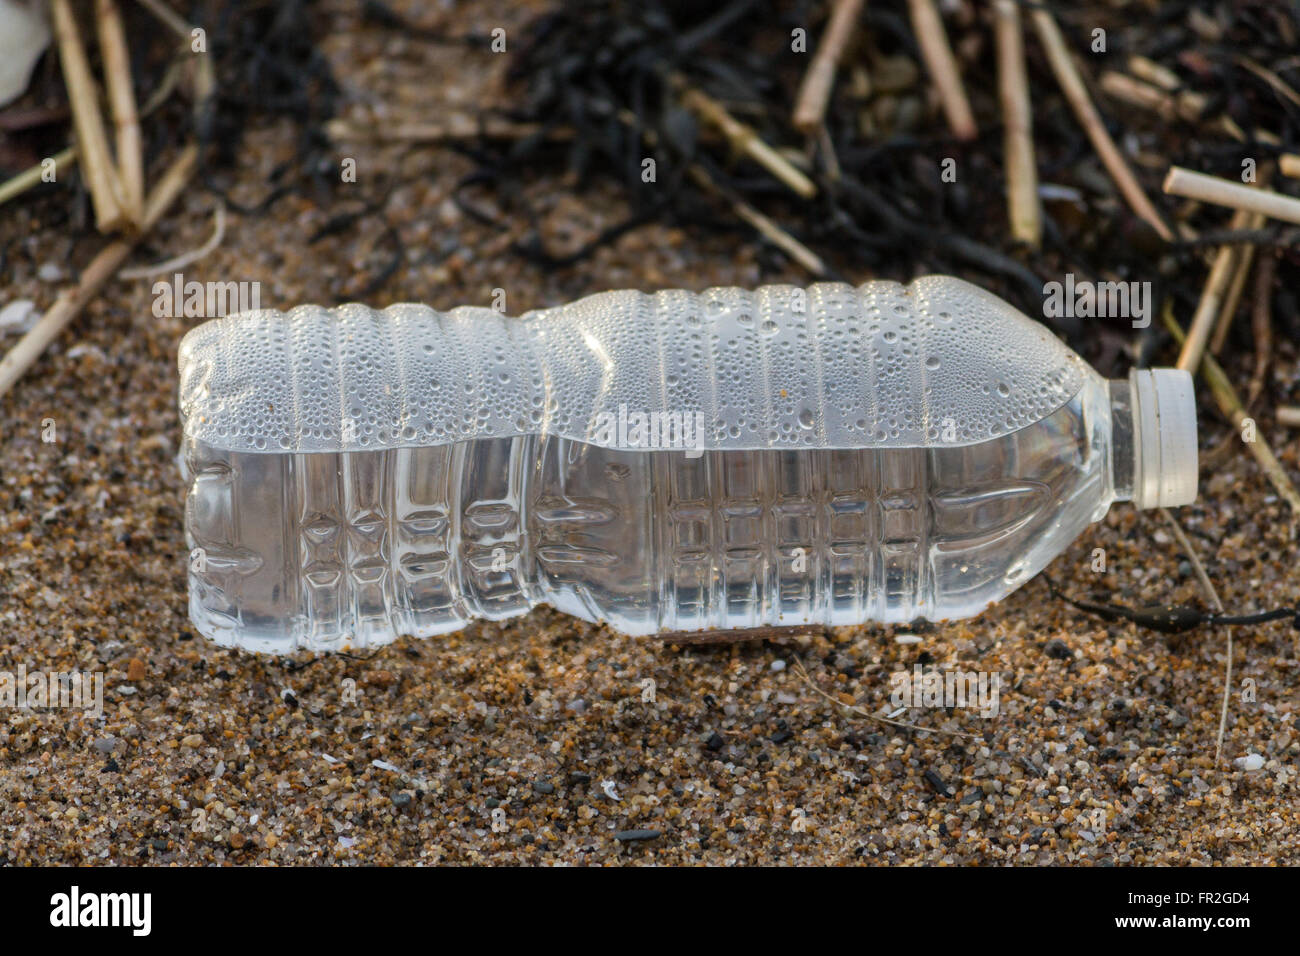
121 97
1188 106
101 269
1150 71
744 139
1067 75
815 91
939 60
96 160
1017 121
1211 302
1243 260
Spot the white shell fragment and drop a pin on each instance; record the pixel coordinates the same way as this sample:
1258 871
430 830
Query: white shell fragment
24 35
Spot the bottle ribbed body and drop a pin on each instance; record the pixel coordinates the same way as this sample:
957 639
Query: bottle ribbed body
334 551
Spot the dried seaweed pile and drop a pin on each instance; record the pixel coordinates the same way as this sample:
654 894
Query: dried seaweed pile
605 85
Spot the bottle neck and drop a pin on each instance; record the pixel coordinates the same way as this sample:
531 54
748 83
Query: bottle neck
1123 447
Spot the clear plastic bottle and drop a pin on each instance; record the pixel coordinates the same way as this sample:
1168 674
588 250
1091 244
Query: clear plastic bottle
887 465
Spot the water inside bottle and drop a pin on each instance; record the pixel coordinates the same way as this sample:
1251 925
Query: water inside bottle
352 549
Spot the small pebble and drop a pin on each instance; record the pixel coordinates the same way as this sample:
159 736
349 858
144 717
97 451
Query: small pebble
18 316
1057 649
631 836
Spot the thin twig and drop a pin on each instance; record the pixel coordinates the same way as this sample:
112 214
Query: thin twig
939 60
169 17
1225 192
185 258
803 675
96 161
1017 123
1213 596
1202 578
815 91
101 269
1211 302
774 234
1271 78
121 97
1243 260
32 175
1067 75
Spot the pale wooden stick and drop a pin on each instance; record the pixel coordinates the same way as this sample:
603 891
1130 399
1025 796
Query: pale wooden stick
744 139
1152 72
1224 192
1067 75
1289 163
1135 92
937 53
1017 121
121 96
100 270
1123 87
1288 416
815 91
91 138
1225 396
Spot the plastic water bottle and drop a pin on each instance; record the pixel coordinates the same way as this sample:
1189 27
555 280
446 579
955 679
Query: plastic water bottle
657 462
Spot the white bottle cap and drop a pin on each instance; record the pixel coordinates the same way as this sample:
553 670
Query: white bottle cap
1165 466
